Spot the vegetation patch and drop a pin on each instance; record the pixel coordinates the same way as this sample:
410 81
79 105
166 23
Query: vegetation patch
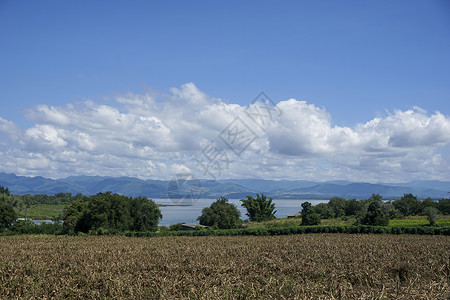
311 266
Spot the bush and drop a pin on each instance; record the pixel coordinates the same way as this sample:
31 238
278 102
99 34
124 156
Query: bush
50 228
221 214
176 227
163 228
24 227
431 214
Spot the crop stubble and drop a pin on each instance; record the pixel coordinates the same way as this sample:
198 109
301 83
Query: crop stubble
291 267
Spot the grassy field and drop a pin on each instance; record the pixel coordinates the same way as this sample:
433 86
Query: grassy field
43 211
419 221
275 267
442 220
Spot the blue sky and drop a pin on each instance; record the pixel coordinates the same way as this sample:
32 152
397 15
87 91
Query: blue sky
354 61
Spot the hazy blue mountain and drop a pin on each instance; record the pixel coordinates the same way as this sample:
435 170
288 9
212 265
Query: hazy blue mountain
265 186
231 188
32 185
360 191
425 184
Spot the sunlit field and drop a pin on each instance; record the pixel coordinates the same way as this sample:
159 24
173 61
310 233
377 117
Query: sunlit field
277 267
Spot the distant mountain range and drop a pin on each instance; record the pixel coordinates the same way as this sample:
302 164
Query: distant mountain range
231 188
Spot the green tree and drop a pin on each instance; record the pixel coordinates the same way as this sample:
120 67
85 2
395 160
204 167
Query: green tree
428 202
352 207
444 206
337 204
431 214
145 214
376 197
4 190
309 217
408 205
73 214
7 215
111 211
221 214
375 215
324 210
259 209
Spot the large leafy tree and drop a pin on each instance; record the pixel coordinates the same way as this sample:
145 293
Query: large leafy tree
338 206
111 211
408 205
309 217
375 215
444 206
220 214
145 214
7 215
259 208
352 207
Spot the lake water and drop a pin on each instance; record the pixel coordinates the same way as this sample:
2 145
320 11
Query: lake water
39 222
189 214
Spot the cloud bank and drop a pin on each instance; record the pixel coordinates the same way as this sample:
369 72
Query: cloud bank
156 137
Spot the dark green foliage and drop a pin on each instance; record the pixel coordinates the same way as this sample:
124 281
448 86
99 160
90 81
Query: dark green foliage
390 210
337 204
428 202
7 215
259 209
287 230
444 206
309 217
28 227
352 206
375 215
111 212
24 227
431 214
408 205
375 197
324 210
221 214
176 227
144 213
4 190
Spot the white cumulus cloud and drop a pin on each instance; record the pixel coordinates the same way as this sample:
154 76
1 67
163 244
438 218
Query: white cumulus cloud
158 135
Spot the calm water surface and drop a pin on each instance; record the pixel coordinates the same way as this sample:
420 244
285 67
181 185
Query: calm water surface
189 214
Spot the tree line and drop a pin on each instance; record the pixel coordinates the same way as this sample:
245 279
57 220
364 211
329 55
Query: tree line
372 211
118 213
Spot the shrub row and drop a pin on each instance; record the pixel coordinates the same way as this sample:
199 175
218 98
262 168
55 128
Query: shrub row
301 230
24 227
28 227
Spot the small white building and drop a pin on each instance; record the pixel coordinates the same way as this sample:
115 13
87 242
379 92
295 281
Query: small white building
191 226
296 215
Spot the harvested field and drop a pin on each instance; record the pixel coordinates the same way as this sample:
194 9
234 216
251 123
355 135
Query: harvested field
292 267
